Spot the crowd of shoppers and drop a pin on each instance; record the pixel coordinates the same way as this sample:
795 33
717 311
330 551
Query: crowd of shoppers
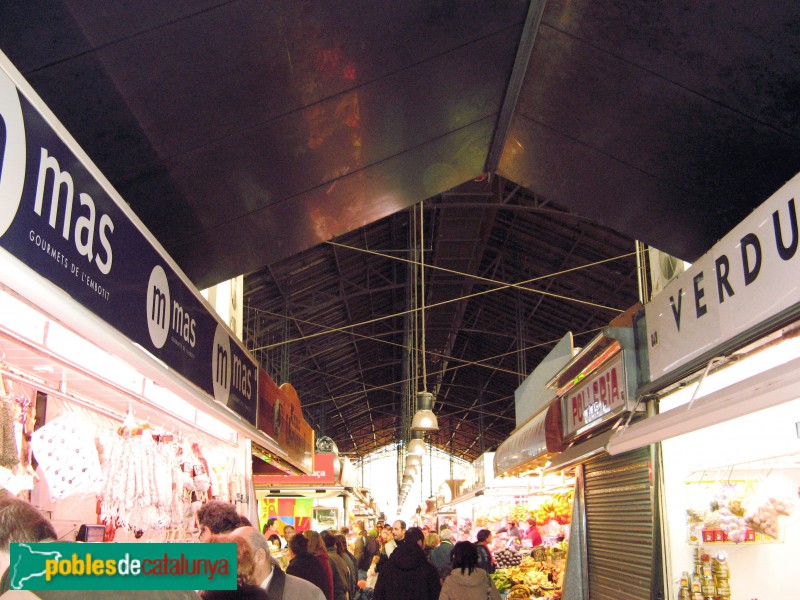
387 563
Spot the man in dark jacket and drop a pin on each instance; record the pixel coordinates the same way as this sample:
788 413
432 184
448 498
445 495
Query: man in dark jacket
303 564
407 574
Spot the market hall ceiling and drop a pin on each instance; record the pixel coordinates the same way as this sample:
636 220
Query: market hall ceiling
247 134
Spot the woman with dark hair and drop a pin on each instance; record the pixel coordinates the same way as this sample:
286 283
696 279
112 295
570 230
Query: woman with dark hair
350 561
485 558
318 550
467 581
303 565
269 528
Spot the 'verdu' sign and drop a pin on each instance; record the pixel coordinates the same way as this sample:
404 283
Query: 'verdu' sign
61 218
750 275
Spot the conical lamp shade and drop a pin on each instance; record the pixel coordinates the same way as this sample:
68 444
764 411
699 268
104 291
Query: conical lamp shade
417 445
424 419
413 460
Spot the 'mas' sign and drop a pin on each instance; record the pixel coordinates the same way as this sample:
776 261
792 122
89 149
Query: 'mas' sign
61 218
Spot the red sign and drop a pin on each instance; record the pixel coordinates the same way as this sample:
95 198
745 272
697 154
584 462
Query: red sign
322 475
280 417
596 397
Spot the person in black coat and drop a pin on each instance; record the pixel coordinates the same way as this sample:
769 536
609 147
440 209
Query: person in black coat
407 574
303 564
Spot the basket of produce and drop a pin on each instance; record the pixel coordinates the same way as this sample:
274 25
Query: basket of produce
539 554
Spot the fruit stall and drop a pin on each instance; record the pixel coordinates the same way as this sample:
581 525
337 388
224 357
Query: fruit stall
526 572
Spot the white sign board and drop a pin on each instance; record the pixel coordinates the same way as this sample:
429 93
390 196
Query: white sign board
750 275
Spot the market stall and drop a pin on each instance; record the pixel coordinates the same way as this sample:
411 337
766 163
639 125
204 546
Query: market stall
126 399
535 566
613 527
724 368
504 505
330 497
533 534
96 446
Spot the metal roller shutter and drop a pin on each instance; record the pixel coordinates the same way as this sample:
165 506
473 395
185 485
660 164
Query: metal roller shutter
619 526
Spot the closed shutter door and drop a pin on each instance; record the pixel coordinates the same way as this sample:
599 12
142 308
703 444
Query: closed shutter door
619 526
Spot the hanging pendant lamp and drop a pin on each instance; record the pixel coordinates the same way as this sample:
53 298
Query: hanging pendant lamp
413 460
424 419
417 444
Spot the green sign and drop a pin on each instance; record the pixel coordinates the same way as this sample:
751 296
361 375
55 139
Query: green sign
110 566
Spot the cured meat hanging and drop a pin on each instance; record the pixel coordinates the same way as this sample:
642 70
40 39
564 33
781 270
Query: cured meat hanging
141 474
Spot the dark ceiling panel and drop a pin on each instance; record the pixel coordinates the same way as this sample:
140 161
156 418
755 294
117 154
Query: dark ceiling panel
741 55
38 33
243 243
625 127
239 66
109 21
601 188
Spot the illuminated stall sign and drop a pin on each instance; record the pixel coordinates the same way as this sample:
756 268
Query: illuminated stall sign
62 219
322 475
597 398
280 417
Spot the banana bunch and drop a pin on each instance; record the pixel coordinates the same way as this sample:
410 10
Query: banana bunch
557 508
519 513
519 592
501 581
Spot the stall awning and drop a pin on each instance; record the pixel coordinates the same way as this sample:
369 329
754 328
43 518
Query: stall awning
580 452
769 388
530 445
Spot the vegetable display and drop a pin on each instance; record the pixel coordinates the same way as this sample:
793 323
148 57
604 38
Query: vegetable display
736 512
